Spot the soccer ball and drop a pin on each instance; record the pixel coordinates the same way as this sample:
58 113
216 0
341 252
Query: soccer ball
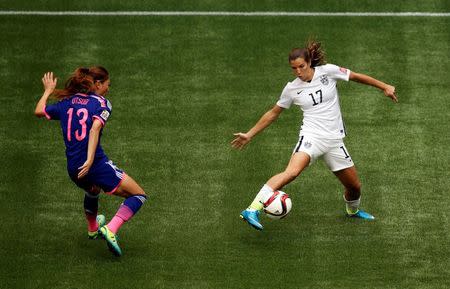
278 205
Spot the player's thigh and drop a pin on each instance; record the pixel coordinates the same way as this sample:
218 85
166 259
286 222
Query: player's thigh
337 156
128 187
311 146
106 175
86 184
339 161
298 162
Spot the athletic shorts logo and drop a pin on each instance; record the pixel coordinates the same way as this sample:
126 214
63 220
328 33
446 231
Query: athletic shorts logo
104 115
324 79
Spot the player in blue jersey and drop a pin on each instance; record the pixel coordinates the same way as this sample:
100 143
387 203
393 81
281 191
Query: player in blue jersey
83 111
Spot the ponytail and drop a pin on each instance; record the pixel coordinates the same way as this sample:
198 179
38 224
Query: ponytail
312 52
316 53
81 81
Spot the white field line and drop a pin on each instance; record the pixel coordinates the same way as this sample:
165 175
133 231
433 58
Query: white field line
225 13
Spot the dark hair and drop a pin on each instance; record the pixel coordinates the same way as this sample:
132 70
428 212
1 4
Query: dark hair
81 81
312 52
99 73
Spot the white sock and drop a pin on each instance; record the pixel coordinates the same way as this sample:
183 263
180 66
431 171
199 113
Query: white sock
352 207
261 197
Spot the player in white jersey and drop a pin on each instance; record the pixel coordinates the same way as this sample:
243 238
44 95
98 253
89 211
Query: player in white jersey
322 130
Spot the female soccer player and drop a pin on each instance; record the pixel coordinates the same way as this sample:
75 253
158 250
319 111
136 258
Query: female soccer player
83 112
322 131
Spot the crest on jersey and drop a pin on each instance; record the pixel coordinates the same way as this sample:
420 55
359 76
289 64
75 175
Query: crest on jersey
308 144
104 114
324 79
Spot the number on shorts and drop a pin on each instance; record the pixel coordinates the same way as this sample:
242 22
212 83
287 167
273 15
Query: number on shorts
345 152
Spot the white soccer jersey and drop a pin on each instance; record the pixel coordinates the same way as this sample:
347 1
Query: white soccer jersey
319 101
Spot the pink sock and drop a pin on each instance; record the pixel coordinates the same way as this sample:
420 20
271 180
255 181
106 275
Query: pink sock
123 214
92 222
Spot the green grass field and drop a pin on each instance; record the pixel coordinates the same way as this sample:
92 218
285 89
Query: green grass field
181 86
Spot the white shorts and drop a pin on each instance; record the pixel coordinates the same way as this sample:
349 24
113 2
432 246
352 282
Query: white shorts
334 152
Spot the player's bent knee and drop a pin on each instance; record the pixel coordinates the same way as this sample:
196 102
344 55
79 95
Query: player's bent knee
357 187
93 191
142 193
130 187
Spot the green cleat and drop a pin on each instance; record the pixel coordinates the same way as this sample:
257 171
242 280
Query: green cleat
111 241
101 220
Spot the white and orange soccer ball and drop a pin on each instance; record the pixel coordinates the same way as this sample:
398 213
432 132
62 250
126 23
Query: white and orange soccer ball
278 205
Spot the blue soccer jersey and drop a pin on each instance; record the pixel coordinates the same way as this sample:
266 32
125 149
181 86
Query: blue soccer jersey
76 115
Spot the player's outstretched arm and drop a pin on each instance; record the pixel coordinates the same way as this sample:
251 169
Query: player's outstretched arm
49 86
242 139
388 90
94 135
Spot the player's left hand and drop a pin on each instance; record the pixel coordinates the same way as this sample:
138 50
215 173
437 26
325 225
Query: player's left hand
389 91
84 169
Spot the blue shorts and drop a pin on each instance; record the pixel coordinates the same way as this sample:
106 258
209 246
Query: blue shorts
103 174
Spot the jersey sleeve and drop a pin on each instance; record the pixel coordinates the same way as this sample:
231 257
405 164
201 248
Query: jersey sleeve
285 100
52 111
103 112
336 72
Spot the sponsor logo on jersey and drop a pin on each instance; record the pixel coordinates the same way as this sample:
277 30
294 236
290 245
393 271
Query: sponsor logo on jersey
343 70
104 114
324 79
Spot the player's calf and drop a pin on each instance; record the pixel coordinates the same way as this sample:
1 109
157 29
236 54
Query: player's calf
126 211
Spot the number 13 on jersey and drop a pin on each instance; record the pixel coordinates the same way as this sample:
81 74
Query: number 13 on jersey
82 115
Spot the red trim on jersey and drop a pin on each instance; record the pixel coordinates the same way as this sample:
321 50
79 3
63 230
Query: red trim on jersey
47 116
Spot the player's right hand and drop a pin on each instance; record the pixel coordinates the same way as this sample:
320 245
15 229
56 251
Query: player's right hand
49 82
240 140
